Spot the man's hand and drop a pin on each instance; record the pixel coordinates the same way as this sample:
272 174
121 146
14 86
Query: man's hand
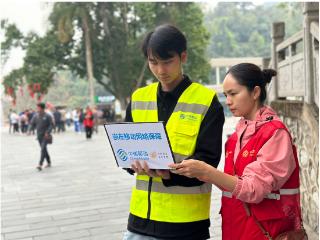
141 167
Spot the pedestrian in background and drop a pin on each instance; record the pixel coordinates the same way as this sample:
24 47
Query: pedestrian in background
88 122
81 119
260 183
68 118
23 119
9 119
14 120
43 123
95 111
75 118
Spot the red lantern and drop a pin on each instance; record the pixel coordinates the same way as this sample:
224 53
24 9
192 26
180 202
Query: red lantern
36 87
31 93
21 91
39 97
10 91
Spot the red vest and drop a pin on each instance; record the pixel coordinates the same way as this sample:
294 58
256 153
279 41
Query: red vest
278 212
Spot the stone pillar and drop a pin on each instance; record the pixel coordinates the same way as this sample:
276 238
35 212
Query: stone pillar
218 75
311 13
265 63
278 32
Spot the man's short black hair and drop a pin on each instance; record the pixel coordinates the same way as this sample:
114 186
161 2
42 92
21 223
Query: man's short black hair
41 105
164 42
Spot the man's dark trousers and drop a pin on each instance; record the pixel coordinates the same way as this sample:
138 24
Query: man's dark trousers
44 152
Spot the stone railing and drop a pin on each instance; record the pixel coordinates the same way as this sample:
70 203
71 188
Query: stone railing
291 79
293 93
296 59
314 30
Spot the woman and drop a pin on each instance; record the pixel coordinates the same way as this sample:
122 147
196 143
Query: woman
260 182
88 122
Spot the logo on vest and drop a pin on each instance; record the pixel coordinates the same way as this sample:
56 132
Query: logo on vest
188 117
122 154
245 153
251 154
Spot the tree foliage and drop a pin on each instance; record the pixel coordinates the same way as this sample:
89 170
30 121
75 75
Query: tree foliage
44 56
116 31
243 29
111 33
13 38
63 16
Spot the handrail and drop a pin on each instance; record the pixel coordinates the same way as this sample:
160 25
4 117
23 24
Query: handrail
293 39
314 29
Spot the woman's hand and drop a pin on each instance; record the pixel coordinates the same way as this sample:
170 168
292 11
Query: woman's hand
205 173
193 169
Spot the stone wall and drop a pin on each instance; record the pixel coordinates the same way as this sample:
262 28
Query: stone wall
303 121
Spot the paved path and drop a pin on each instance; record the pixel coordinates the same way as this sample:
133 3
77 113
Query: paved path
84 196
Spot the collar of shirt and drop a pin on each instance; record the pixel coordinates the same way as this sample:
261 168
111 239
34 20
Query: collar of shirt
247 128
175 93
166 101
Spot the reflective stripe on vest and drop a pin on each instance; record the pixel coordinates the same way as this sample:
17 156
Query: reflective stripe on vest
144 105
185 107
175 203
159 187
274 196
194 108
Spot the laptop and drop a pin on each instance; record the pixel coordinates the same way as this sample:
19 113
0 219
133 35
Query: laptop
147 141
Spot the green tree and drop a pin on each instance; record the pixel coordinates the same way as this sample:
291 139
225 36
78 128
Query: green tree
44 57
13 38
117 29
243 29
62 17
102 41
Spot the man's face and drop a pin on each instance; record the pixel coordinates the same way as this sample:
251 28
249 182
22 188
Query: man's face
169 70
40 109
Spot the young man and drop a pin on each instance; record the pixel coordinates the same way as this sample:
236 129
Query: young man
42 121
165 205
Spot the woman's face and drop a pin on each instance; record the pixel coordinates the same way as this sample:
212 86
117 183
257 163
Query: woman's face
240 101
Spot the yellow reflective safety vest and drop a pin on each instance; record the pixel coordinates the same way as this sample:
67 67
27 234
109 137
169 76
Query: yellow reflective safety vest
150 198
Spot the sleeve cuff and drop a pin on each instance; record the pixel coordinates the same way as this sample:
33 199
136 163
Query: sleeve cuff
238 187
129 170
169 182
